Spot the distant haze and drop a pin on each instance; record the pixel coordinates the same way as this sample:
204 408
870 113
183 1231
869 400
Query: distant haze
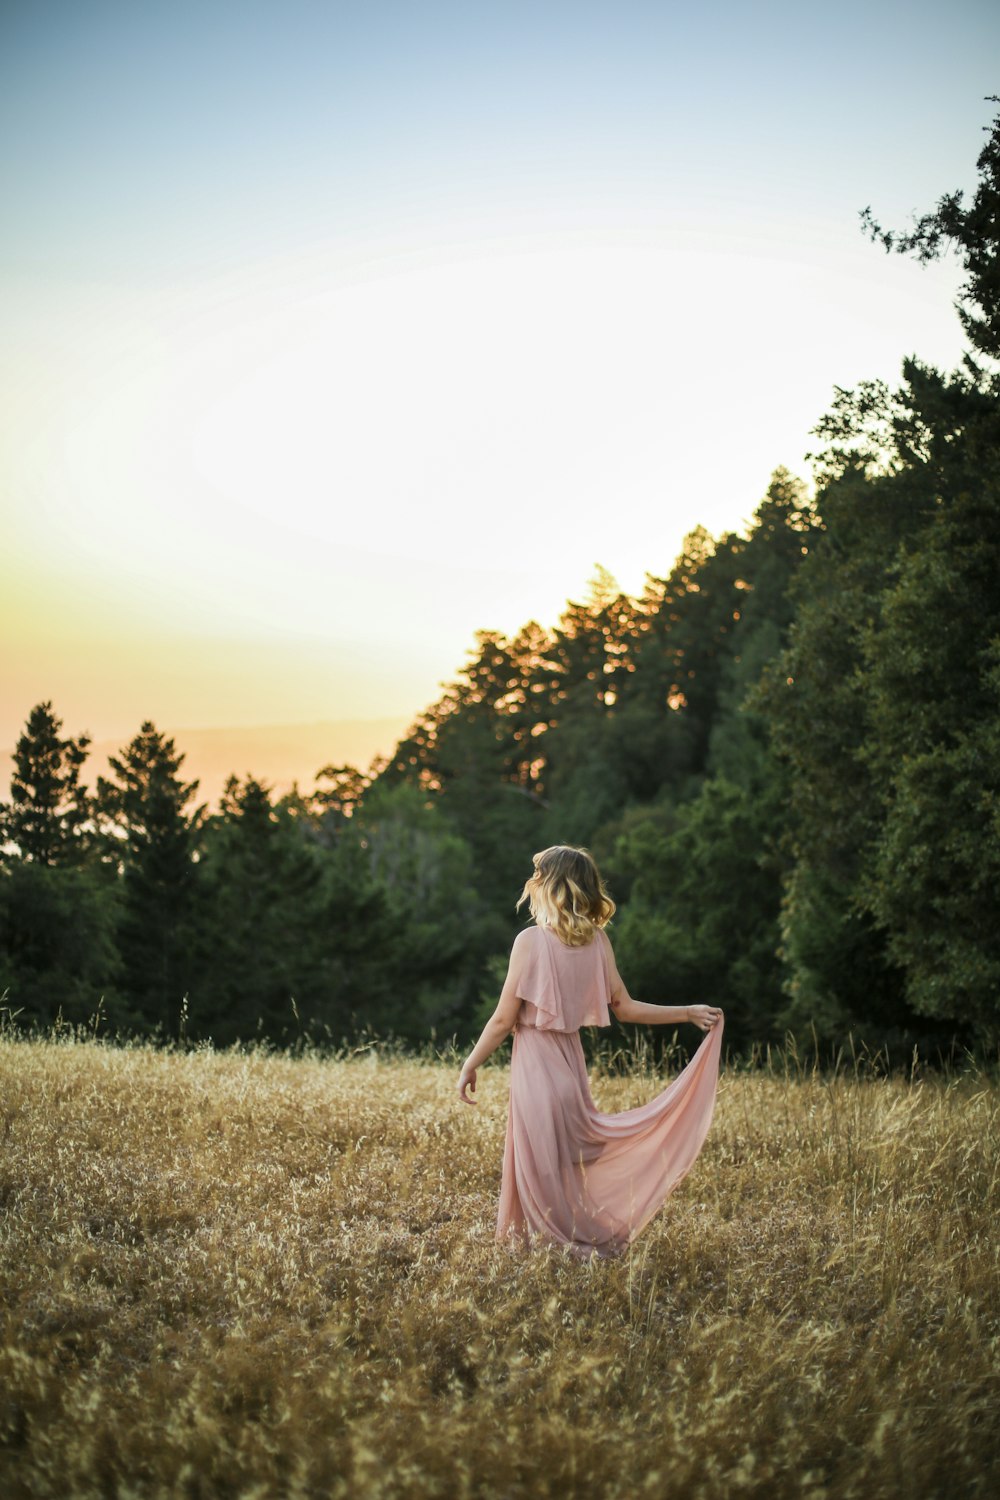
278 754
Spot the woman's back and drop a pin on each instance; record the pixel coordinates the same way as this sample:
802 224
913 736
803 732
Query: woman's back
563 988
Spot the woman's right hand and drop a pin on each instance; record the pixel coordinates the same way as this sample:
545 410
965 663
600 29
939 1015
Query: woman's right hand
704 1016
467 1081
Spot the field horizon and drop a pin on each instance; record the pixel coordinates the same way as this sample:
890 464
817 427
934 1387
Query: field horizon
243 1273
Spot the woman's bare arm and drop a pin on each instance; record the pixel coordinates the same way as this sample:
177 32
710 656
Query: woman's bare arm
627 1009
499 1026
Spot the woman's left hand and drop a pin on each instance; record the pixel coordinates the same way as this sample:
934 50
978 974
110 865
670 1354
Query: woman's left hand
467 1081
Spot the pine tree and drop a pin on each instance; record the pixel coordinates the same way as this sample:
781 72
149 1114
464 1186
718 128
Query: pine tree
57 907
259 921
150 835
47 815
885 705
973 232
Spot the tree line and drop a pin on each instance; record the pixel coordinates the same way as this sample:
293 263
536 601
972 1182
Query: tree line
785 755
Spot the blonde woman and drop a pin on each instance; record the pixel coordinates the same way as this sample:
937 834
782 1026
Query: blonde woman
585 1180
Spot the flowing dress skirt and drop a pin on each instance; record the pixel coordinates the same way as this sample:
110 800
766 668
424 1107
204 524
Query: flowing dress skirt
590 1181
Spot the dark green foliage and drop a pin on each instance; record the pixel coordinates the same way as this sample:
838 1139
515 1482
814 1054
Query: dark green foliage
973 232
46 817
478 751
933 674
57 913
701 922
885 706
881 699
343 793
815 701
57 944
258 926
149 835
434 928
333 918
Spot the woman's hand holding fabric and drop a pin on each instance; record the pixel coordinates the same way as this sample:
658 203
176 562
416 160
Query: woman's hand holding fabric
704 1016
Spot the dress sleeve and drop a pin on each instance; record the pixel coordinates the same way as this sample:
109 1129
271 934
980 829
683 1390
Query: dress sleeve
536 979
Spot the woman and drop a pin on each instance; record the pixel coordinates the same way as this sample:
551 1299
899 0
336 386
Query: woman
585 1180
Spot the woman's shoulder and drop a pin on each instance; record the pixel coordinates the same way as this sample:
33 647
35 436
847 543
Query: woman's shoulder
540 934
536 939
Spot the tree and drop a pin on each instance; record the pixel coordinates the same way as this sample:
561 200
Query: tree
681 639
973 232
259 924
438 932
46 819
57 910
932 672
150 836
477 754
839 971
884 705
785 528
336 802
701 923
57 943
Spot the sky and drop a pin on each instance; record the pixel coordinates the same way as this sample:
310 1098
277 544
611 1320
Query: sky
331 334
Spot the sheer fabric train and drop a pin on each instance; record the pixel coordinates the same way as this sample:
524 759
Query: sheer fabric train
586 1180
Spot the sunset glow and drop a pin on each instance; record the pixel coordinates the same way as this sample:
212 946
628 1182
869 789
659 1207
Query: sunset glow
401 326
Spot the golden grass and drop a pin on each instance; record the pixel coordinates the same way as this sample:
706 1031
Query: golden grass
238 1274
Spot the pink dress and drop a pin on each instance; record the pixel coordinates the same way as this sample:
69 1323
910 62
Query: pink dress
586 1180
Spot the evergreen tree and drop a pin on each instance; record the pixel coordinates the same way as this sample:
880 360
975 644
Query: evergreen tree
57 909
973 232
667 699
840 970
701 921
884 707
476 753
339 791
47 816
259 921
703 873
438 928
58 956
150 836
932 673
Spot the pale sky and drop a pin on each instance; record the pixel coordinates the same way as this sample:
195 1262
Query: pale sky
331 333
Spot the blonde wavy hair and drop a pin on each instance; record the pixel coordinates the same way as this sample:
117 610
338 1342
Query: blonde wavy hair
566 892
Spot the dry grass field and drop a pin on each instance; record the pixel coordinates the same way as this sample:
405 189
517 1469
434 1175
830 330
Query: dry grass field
242 1274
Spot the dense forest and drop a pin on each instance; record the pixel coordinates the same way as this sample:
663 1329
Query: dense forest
785 756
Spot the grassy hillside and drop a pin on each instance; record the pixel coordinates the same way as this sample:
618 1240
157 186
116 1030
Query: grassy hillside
246 1275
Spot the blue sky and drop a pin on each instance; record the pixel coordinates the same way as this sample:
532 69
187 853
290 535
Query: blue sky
152 139
333 333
